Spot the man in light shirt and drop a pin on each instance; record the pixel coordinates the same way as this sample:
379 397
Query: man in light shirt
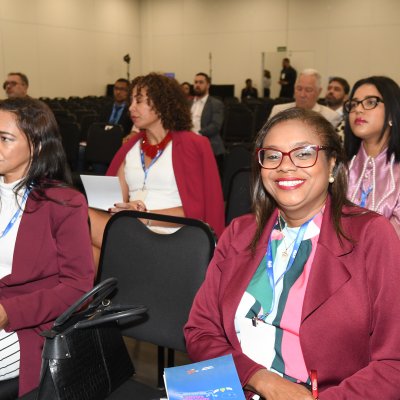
208 115
306 93
336 94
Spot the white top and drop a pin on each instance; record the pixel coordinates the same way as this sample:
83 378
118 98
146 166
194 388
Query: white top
9 343
8 207
332 116
160 186
197 110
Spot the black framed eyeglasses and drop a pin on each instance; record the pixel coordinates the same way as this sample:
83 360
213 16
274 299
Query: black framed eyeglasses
369 103
301 157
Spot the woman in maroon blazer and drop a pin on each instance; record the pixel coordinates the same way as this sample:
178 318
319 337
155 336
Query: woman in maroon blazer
304 290
46 262
165 168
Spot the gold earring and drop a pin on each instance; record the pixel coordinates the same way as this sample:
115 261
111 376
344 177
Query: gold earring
331 178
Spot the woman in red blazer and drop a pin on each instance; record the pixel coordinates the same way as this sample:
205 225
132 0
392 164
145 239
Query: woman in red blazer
165 168
304 291
46 262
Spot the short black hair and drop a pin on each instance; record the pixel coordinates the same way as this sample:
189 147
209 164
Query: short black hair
208 79
343 82
123 80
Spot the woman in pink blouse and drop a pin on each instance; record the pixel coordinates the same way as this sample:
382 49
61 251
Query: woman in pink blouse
372 143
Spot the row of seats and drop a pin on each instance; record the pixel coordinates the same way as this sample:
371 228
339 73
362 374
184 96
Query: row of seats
243 120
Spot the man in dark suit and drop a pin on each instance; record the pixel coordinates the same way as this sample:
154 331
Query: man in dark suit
287 79
118 111
208 115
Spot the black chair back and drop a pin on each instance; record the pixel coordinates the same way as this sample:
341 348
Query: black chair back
162 271
103 141
70 136
237 157
239 197
238 124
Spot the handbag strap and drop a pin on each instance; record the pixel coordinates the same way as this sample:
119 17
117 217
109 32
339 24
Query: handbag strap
102 290
110 315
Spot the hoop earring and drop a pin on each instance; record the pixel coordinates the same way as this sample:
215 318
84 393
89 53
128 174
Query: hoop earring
331 178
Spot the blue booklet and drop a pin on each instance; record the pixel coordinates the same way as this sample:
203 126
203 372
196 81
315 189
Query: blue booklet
211 379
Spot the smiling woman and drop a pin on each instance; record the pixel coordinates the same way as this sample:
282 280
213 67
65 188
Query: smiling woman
45 255
279 286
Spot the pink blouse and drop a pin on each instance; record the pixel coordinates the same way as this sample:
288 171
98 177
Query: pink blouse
381 179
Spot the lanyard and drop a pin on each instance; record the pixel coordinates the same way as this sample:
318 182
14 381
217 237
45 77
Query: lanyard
146 170
270 264
15 216
364 196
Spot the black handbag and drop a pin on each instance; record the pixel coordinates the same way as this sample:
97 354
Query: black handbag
84 355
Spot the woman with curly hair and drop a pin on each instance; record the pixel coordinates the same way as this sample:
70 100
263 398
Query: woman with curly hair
165 168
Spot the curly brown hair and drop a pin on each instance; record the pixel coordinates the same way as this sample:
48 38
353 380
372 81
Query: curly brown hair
167 99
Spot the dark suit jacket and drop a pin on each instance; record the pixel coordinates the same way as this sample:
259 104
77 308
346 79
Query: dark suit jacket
125 119
211 123
349 329
52 268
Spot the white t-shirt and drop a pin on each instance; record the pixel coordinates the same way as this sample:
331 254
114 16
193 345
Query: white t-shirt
197 110
160 185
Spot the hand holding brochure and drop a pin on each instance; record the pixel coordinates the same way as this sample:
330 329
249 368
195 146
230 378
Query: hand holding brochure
102 192
213 379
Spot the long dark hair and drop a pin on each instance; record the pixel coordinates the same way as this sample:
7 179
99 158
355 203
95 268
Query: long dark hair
263 204
390 93
48 167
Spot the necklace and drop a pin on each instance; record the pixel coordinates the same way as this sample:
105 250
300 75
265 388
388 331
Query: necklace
151 150
285 252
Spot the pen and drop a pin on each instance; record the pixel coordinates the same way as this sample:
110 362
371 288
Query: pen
314 383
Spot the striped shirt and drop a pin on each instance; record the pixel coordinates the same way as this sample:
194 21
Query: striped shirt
9 343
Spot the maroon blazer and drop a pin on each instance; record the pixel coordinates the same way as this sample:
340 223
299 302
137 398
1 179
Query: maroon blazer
52 267
196 175
350 319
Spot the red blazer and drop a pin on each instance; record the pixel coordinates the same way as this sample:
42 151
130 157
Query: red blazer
196 175
350 319
52 267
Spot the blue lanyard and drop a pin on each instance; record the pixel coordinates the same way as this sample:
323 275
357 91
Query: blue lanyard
146 170
15 216
270 264
364 196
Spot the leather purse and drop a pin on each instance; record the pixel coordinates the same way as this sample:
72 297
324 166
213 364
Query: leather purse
84 356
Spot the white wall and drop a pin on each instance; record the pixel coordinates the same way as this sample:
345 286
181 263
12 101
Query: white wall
75 47
69 47
349 38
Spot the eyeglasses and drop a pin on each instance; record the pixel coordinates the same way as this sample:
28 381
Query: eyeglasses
369 103
9 83
301 157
